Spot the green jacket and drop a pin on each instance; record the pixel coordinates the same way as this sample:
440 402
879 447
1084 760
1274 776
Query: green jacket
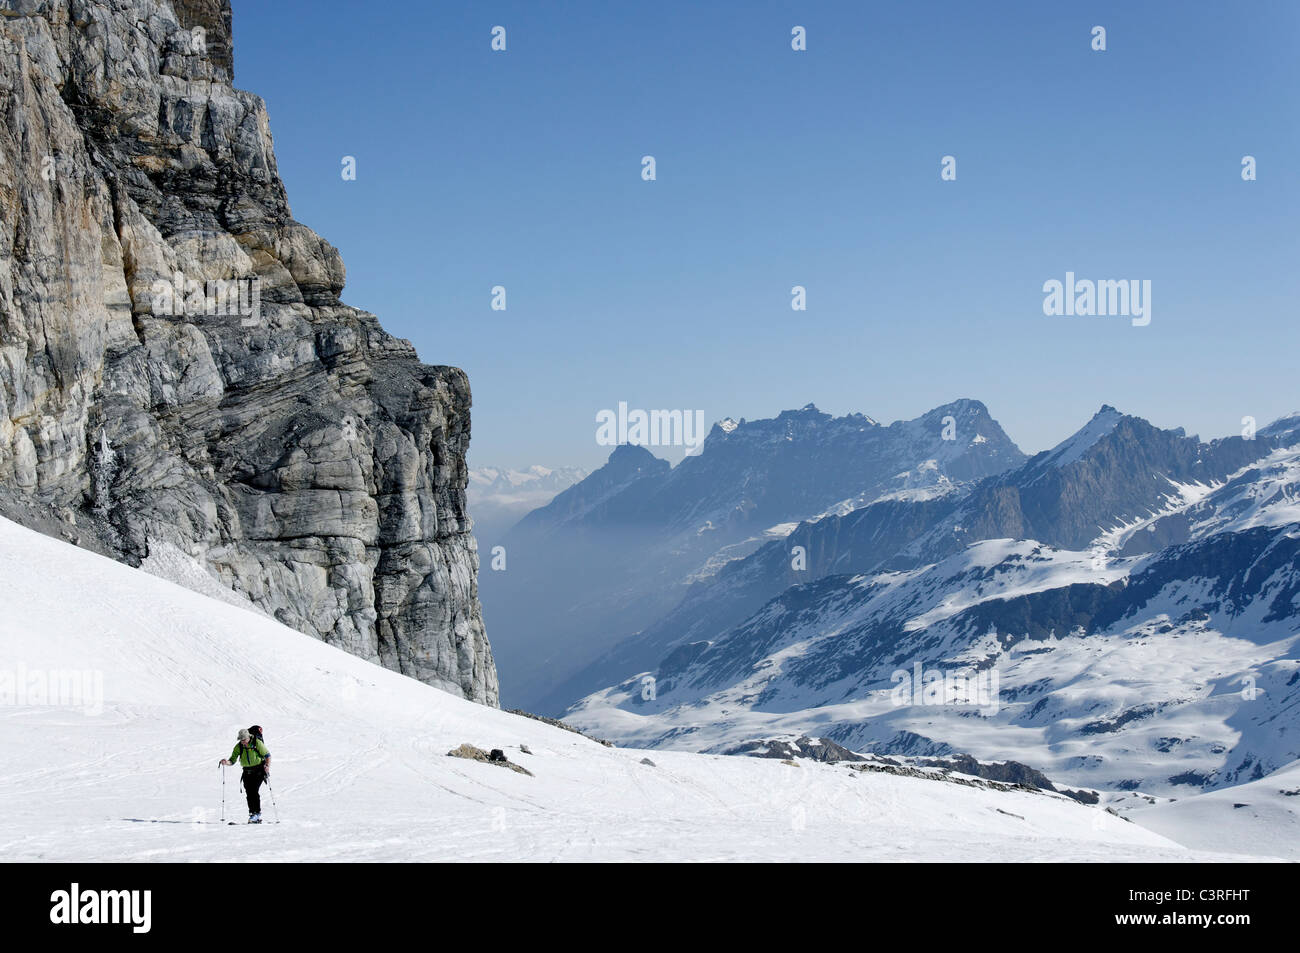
251 756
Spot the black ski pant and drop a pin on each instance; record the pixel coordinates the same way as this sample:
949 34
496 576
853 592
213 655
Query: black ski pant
253 778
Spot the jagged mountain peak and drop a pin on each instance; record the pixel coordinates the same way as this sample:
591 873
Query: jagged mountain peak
809 423
1111 431
633 455
962 405
1085 438
628 465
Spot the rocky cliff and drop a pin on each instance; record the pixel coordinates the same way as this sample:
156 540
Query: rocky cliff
176 365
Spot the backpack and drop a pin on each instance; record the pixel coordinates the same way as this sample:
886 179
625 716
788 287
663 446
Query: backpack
255 731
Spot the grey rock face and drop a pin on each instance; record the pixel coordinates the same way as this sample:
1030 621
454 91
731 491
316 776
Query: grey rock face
155 291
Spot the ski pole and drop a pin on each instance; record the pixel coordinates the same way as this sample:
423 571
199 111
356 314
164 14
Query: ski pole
223 791
273 804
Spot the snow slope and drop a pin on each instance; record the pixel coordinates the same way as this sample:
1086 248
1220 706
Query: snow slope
361 771
1259 817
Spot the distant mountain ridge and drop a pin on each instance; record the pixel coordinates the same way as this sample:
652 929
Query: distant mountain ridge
801 461
614 552
1114 470
495 482
497 497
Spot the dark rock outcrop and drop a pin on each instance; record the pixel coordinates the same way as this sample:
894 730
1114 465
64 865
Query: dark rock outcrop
814 749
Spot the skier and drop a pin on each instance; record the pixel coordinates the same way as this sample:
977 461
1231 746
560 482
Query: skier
250 751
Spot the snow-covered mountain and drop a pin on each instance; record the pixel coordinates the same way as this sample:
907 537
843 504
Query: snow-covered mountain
613 553
104 662
1149 643
1095 481
497 498
536 482
1113 469
1116 469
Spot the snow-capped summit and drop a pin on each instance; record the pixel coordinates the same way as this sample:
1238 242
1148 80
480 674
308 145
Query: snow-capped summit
1075 446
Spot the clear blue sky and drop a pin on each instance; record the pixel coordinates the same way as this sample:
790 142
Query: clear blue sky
817 168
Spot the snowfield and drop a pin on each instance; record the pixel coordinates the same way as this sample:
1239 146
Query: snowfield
125 767
1261 817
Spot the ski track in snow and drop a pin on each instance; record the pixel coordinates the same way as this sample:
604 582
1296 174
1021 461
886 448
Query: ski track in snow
360 767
